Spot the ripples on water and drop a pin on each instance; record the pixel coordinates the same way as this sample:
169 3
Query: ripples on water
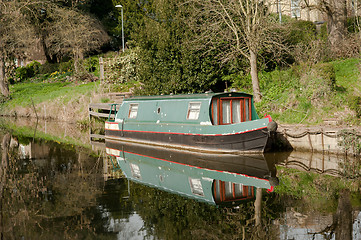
55 191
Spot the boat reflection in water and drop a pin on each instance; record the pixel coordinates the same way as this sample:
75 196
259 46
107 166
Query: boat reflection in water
213 178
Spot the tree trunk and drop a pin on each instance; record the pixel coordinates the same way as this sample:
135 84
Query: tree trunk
336 21
4 88
258 206
3 176
49 57
344 217
254 75
78 56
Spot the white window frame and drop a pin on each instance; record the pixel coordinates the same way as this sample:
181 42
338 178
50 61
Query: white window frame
133 110
134 168
193 110
196 186
296 9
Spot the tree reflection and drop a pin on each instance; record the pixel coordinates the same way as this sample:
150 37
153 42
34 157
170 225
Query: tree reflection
170 216
44 198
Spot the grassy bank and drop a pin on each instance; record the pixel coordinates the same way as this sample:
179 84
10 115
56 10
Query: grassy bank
310 94
66 101
306 94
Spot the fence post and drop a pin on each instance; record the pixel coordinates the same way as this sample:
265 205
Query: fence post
101 68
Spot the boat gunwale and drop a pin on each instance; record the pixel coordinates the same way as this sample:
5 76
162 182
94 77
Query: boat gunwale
185 96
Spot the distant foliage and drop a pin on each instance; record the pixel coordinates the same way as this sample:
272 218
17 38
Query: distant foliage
354 24
48 68
121 68
29 71
92 63
66 66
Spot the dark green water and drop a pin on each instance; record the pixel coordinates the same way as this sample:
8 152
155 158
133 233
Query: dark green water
50 190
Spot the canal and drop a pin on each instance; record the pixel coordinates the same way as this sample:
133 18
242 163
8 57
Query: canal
56 184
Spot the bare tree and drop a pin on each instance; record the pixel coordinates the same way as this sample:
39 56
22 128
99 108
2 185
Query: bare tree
336 11
74 33
16 36
242 27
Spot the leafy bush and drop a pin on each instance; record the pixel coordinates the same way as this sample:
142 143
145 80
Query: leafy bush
30 70
91 64
353 24
318 82
66 66
354 103
327 72
122 68
21 73
49 68
33 67
301 32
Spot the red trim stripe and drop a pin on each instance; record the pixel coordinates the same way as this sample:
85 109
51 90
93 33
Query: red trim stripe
191 134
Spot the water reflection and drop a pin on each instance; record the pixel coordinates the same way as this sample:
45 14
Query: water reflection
45 188
53 191
212 178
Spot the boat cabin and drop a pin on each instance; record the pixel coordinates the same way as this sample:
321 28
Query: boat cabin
203 109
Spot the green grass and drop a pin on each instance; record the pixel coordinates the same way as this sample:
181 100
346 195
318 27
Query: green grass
300 94
27 132
348 73
22 94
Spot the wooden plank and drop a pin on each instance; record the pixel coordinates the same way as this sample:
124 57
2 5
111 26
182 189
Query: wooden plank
97 144
120 94
97 136
102 106
104 115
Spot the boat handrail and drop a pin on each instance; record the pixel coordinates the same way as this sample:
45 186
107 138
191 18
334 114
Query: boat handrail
111 110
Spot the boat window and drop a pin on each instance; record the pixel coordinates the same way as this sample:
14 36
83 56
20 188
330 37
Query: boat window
238 190
232 110
246 110
236 111
215 112
196 186
135 171
228 190
226 111
133 110
193 110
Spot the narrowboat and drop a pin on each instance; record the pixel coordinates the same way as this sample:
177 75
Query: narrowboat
215 122
199 176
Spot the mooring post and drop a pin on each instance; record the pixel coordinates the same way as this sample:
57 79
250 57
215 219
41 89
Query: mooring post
101 68
323 143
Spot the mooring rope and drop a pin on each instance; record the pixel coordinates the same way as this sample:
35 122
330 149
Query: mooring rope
300 135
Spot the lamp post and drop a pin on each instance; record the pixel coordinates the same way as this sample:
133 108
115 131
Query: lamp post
120 6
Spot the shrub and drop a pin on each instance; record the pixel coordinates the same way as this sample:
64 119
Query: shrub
21 73
66 66
326 71
353 24
33 67
301 32
354 103
30 70
92 64
122 68
49 68
318 82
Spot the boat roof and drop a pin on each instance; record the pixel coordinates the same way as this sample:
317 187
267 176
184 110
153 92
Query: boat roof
187 96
